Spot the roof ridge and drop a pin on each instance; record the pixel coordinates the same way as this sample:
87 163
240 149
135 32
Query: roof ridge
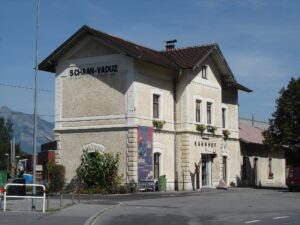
194 46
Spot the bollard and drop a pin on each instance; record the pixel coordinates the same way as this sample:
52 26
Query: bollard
61 200
78 196
48 201
73 200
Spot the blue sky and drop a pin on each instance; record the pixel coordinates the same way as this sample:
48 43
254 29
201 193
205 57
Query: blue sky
259 39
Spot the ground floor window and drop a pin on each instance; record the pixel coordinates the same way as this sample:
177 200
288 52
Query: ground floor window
156 165
224 169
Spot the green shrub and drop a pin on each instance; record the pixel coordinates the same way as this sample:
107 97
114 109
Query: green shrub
56 174
100 171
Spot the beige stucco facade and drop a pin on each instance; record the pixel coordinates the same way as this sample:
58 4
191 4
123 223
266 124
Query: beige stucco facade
103 111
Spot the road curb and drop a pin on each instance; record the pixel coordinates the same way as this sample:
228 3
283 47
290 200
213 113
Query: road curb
91 220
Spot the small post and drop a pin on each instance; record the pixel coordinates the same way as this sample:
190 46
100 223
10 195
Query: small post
78 196
4 203
73 197
61 199
48 201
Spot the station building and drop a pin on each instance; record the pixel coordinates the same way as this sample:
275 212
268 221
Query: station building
172 112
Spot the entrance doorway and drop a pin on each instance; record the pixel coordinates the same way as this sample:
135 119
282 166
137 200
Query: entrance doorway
224 169
206 170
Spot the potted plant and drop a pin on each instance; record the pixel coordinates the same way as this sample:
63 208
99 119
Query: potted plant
211 129
226 133
158 123
201 128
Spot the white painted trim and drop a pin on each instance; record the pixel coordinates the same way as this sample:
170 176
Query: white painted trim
160 93
93 147
92 118
198 97
224 106
151 119
212 111
94 127
158 148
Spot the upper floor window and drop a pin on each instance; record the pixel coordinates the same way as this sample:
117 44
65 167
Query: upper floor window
223 117
198 110
209 112
204 71
156 105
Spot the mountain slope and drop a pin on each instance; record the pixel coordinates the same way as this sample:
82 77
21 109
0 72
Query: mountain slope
23 129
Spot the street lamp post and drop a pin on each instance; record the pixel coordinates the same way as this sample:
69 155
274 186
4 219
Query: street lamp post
35 101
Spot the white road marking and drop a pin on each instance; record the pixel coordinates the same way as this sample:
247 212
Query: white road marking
252 221
280 217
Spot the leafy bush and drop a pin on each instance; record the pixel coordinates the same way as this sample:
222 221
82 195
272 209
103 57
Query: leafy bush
201 128
56 175
158 123
99 171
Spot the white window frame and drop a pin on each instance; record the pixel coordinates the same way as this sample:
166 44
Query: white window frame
212 112
226 116
206 70
159 148
160 105
201 109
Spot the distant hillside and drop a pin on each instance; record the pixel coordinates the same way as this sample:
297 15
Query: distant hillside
23 129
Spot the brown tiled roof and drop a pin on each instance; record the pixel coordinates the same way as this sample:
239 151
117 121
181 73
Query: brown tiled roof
129 48
187 58
183 58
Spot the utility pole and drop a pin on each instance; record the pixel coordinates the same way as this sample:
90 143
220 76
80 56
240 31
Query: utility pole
35 101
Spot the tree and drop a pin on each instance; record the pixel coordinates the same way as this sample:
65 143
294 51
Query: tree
56 175
99 170
284 129
6 131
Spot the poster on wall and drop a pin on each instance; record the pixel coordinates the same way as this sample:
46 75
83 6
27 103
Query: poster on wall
145 154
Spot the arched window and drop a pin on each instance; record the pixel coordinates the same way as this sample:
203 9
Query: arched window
93 147
158 159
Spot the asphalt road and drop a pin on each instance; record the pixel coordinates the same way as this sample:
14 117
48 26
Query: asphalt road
213 207
238 206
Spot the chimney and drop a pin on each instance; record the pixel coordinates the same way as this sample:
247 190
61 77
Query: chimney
170 45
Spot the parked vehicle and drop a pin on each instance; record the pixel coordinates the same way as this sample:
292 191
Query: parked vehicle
293 178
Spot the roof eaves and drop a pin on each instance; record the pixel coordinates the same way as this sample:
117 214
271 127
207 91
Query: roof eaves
48 64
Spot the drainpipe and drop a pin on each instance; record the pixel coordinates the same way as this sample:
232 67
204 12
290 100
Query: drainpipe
175 134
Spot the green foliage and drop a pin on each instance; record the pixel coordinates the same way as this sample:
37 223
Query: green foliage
284 130
6 131
158 123
99 170
226 133
200 127
56 175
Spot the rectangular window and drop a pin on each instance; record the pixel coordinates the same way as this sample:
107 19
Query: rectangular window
209 112
156 106
198 111
204 71
223 118
270 176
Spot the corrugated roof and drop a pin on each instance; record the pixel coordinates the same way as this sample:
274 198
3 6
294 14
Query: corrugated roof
250 134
